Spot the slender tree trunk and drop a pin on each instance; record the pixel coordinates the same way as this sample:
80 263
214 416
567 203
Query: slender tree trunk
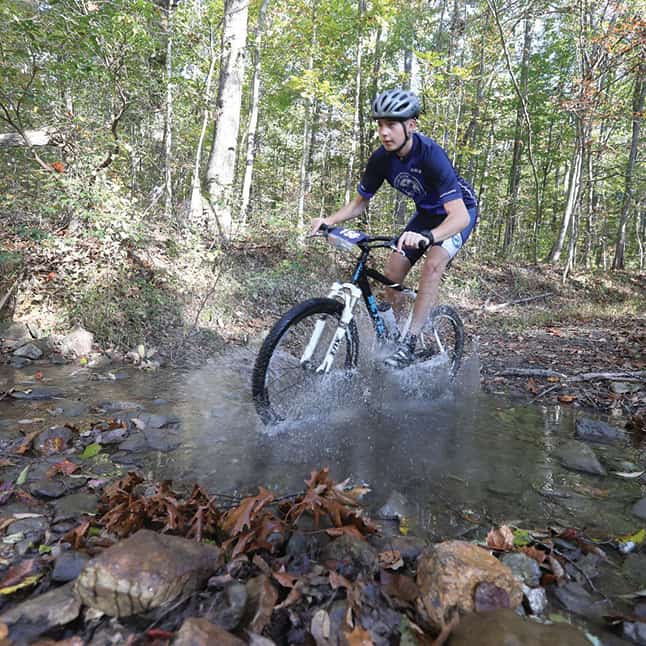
511 216
573 193
400 199
168 125
197 203
349 178
253 116
222 160
638 115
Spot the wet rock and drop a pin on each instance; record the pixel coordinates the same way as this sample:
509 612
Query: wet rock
506 627
26 526
20 362
13 331
70 408
578 456
639 508
161 440
112 437
575 598
48 488
634 569
28 351
592 430
39 614
200 632
228 606
635 631
74 505
96 360
77 343
128 459
353 556
69 565
536 599
135 442
152 420
523 567
37 394
143 572
115 406
53 440
448 574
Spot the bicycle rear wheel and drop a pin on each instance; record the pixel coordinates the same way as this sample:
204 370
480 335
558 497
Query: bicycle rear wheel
444 333
282 382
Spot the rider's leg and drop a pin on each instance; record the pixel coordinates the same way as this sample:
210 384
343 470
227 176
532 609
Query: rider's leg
396 269
433 269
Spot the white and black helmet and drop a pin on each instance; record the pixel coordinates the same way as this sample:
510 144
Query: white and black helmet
395 104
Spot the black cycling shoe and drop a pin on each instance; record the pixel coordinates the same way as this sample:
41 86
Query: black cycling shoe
401 358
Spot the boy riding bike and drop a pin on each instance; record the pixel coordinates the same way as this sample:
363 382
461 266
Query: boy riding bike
446 205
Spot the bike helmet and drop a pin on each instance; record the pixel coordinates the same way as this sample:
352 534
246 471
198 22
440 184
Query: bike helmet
395 104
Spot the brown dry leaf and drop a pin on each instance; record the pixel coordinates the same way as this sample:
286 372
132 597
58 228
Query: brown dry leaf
553 379
359 637
236 519
391 559
553 331
531 386
4 631
22 446
566 399
76 536
19 572
267 597
501 538
346 529
66 466
538 555
337 581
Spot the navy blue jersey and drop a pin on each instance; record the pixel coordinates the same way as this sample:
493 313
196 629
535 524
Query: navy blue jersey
426 175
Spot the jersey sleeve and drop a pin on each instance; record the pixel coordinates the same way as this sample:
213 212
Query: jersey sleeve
373 176
442 175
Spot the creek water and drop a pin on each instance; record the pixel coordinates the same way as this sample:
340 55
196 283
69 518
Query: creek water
450 460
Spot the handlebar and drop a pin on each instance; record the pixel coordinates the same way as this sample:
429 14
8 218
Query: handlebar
391 243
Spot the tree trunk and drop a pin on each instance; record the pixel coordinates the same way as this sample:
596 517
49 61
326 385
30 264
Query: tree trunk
222 160
168 124
511 219
253 117
197 203
638 110
573 194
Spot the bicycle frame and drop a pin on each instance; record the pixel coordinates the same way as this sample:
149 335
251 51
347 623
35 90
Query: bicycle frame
349 294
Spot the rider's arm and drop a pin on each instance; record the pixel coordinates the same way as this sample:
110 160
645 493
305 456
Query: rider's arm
350 210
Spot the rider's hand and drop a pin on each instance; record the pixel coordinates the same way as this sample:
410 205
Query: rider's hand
411 239
316 225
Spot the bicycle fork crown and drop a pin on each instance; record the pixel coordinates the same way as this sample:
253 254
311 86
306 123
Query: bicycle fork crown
350 295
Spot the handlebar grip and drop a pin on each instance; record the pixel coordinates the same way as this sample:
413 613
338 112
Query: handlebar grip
423 246
324 228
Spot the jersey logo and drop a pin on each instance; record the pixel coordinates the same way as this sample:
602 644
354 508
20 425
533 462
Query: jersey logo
409 185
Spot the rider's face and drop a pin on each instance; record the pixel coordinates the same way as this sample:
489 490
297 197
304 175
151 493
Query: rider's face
391 132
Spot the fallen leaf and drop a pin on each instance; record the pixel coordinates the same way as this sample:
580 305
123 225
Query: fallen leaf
66 466
30 580
629 474
90 451
359 637
39 375
391 559
501 538
22 478
531 386
567 399
285 579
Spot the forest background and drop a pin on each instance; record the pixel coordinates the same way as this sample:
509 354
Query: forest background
159 163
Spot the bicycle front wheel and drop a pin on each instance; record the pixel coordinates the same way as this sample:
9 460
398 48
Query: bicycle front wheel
289 366
444 333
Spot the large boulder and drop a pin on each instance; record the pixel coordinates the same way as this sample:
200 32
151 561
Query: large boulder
77 343
143 572
448 576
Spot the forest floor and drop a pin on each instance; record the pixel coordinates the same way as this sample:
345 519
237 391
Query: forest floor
580 342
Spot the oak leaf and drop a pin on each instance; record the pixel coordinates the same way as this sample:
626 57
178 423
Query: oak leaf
501 538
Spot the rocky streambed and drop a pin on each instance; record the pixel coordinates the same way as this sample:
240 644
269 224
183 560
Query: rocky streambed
506 523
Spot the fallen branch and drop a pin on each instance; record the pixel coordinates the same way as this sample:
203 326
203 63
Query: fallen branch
7 296
528 299
636 376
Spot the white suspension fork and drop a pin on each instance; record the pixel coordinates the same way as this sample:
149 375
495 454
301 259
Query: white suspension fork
350 294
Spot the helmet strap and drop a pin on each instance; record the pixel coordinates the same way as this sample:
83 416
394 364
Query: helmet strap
406 138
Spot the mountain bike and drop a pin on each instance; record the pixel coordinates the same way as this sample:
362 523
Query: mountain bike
320 336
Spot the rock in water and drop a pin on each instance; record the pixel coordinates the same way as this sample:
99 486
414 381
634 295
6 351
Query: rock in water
143 572
578 456
592 430
77 343
449 573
